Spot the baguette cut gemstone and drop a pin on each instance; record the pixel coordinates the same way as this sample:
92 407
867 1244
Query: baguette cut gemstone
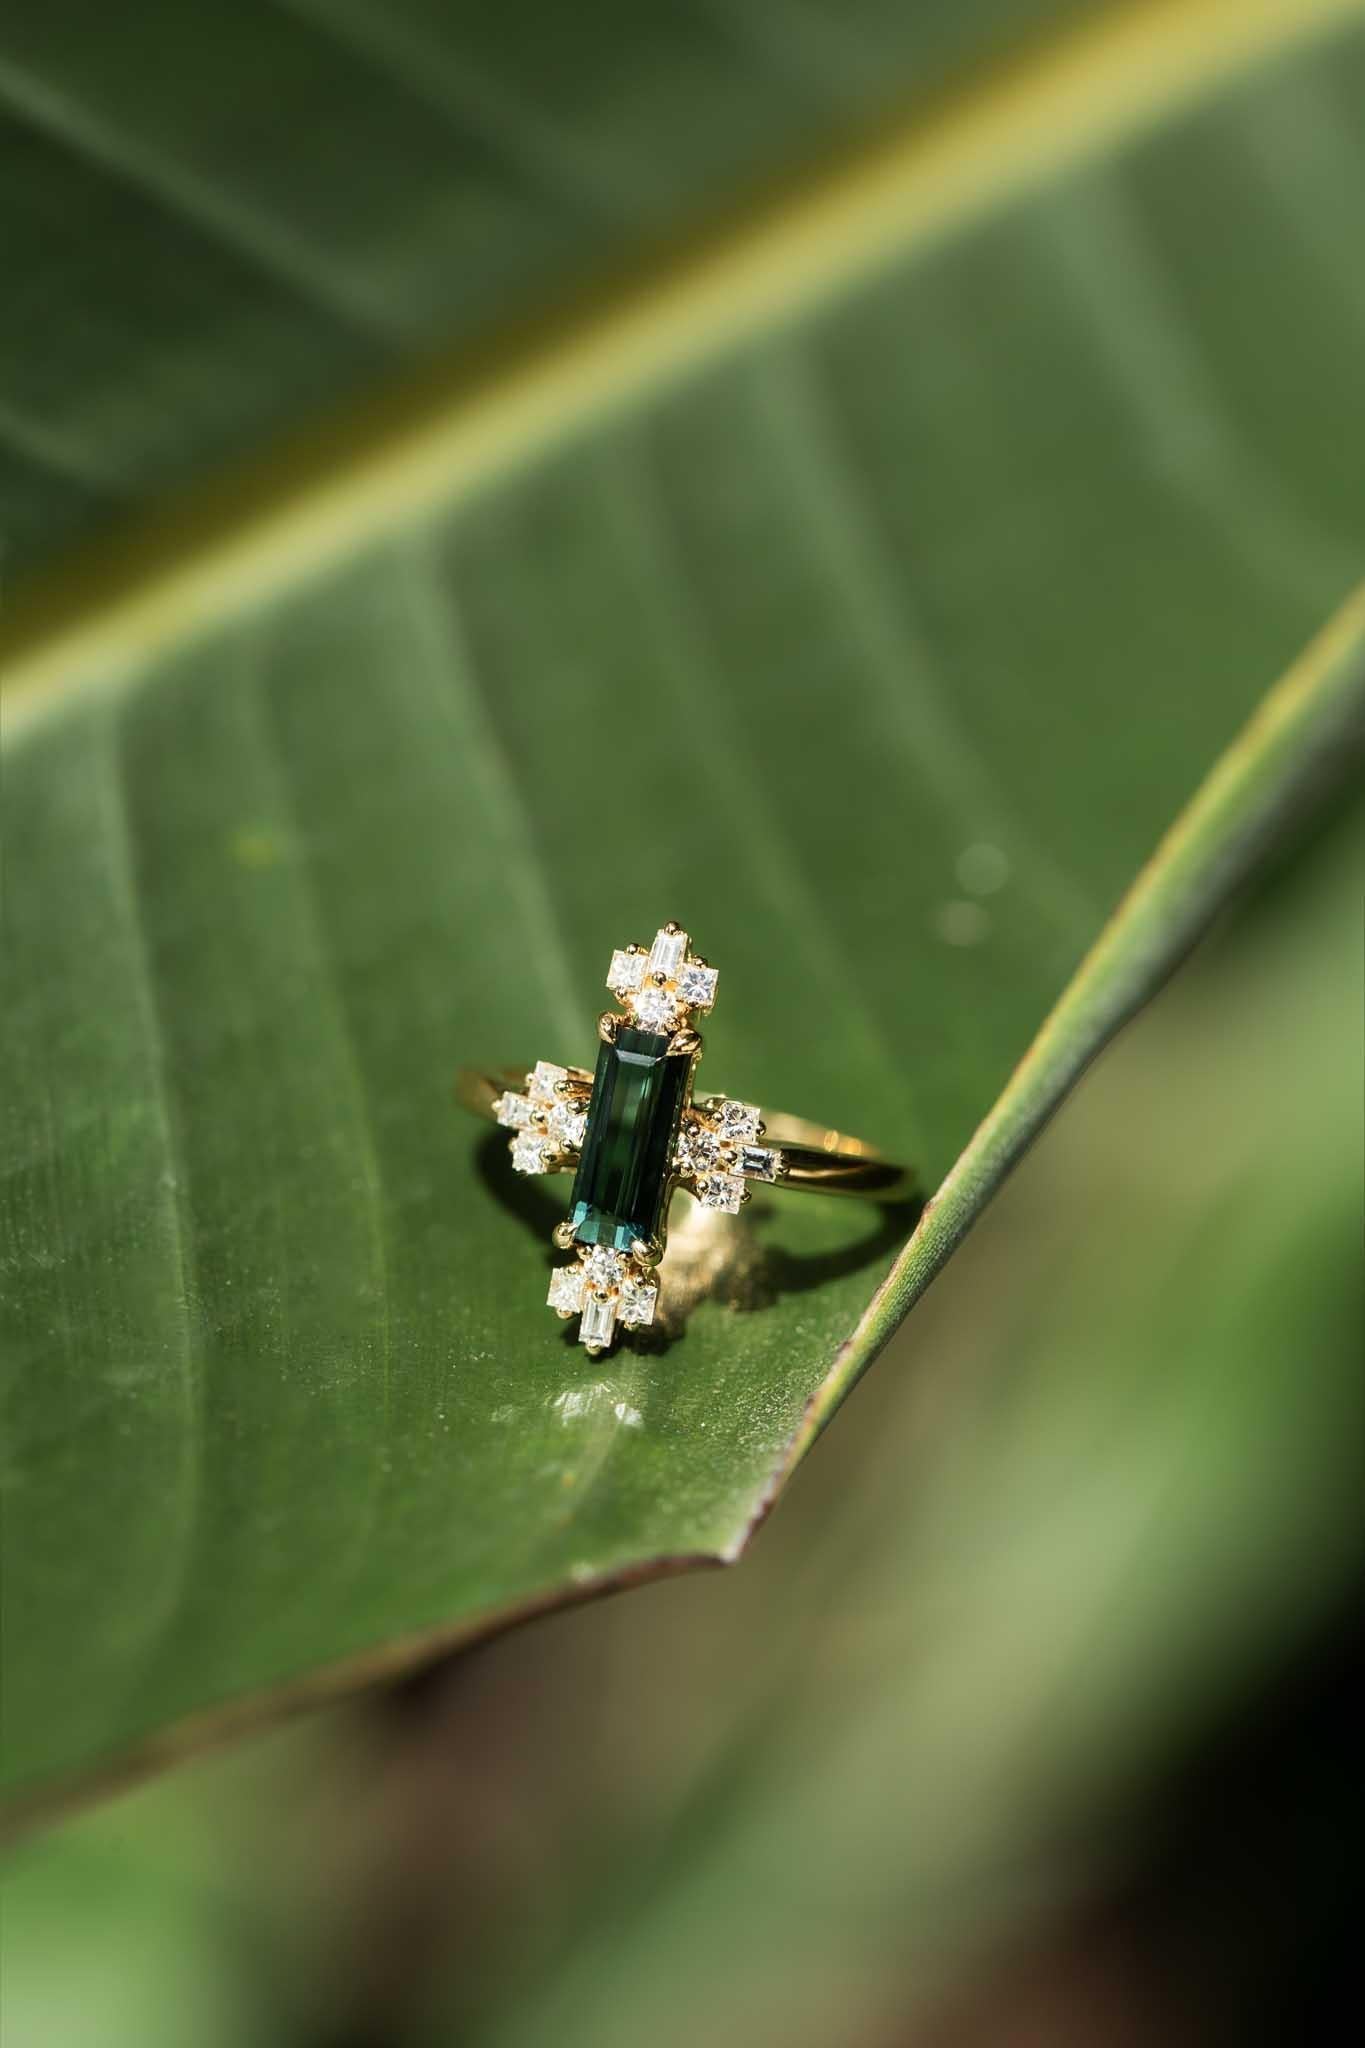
637 1100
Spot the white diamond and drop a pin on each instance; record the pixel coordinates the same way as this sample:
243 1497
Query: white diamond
697 986
530 1154
545 1080
566 1288
738 1120
625 972
655 1009
605 1266
723 1191
758 1162
698 1147
567 1124
514 1111
599 1321
639 1299
667 953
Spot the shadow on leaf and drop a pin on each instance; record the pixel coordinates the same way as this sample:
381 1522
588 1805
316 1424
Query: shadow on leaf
711 1256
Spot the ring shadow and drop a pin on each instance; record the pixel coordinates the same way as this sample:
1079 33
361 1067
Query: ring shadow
720 1257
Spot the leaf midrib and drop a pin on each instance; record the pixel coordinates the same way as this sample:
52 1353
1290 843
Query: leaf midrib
243 538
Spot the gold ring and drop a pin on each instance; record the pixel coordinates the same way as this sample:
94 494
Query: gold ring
632 1132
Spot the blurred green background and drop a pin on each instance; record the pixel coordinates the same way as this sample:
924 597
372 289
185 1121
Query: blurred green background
1020 1723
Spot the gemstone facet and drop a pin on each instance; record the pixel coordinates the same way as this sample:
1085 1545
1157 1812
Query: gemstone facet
599 1321
626 972
566 1123
697 986
656 1009
639 1299
667 953
531 1154
566 1289
637 1099
737 1119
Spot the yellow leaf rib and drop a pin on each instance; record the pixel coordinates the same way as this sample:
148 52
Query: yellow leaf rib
238 544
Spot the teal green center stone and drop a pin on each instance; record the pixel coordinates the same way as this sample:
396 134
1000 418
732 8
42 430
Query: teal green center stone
637 1099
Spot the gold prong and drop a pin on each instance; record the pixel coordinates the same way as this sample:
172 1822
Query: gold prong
746 1196
672 928
601 1294
565 1314
686 1041
659 980
608 1024
647 1251
594 1350
561 1237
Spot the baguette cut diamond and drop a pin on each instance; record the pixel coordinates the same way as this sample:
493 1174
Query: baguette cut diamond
599 1321
667 953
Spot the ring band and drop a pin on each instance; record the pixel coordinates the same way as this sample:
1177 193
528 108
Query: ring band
824 1161
633 1131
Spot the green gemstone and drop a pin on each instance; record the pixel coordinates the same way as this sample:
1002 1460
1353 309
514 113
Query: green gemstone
637 1098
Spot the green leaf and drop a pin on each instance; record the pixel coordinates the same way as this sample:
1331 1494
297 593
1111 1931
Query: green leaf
270 208
869 593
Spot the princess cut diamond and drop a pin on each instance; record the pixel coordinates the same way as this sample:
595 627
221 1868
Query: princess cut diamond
545 1080
513 1111
723 1191
531 1154
567 1123
626 972
697 986
737 1120
566 1289
639 1299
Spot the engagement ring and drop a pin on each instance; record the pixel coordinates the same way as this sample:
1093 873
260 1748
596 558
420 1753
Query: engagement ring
632 1132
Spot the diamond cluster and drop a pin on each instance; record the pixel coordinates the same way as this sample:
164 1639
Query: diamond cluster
604 1287
658 988
547 1122
718 1152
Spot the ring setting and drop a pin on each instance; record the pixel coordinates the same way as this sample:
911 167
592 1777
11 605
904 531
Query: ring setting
633 1131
